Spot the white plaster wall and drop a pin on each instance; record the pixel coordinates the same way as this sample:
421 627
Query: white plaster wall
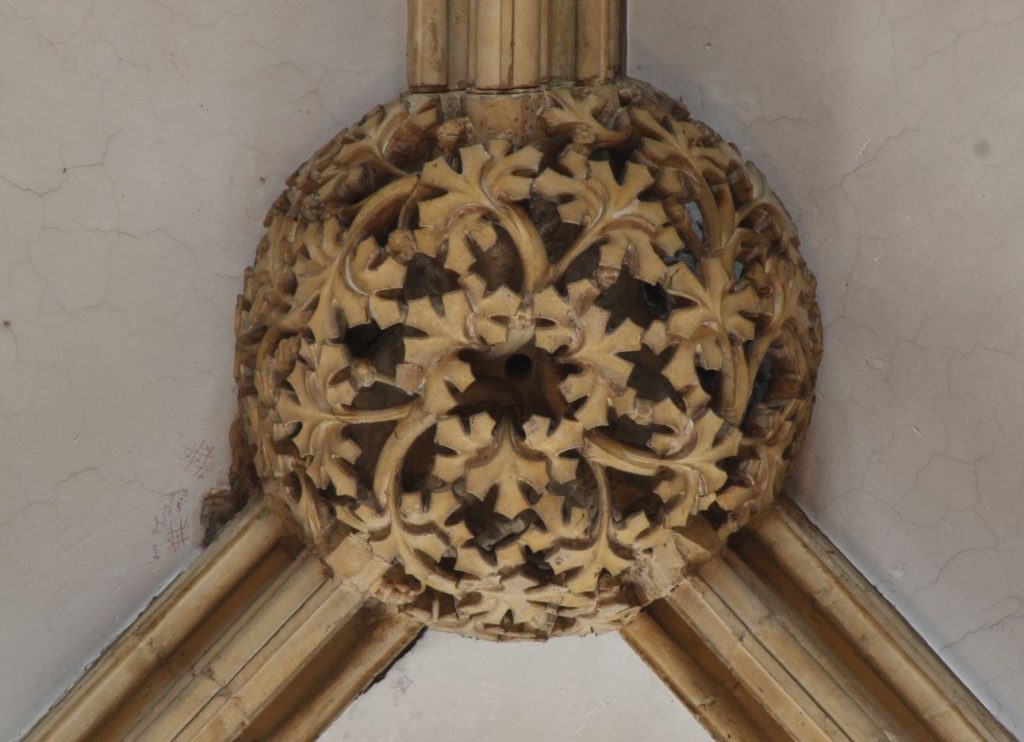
452 689
141 141
894 132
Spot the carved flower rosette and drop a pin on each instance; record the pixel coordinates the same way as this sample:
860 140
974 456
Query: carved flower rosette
527 370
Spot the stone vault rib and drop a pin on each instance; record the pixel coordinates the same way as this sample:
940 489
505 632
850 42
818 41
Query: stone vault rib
776 637
257 640
780 634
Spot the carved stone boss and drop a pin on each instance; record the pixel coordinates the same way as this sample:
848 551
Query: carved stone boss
533 333
526 352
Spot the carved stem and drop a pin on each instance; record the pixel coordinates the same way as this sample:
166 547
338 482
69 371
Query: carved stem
386 480
600 229
363 417
508 44
374 210
529 245
607 451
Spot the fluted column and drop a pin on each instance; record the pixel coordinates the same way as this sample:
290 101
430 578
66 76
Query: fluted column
510 44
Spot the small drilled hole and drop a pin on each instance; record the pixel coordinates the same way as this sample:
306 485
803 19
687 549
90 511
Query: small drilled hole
519 367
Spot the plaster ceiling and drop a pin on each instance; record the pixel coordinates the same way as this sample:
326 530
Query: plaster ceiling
451 688
141 142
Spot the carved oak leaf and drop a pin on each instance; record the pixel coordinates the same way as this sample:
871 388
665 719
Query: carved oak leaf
359 270
435 385
701 444
598 397
600 347
786 285
347 166
588 564
561 524
460 242
431 509
695 165
322 385
577 118
666 138
485 610
490 183
610 211
486 463
371 272
465 444
312 402
579 330
692 168
681 372
322 243
499 318
561 315
633 249
443 333
490 180
666 416
461 239
427 514
552 439
713 329
637 533
438 382
710 439
483 567
584 565
471 560
492 610
722 300
508 470
321 388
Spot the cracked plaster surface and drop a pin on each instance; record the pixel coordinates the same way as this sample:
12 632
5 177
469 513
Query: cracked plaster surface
892 131
141 142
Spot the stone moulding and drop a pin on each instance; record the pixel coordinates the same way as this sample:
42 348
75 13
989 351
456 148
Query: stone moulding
258 640
777 637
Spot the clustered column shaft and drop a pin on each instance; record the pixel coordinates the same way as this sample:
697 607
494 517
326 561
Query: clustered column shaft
510 44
